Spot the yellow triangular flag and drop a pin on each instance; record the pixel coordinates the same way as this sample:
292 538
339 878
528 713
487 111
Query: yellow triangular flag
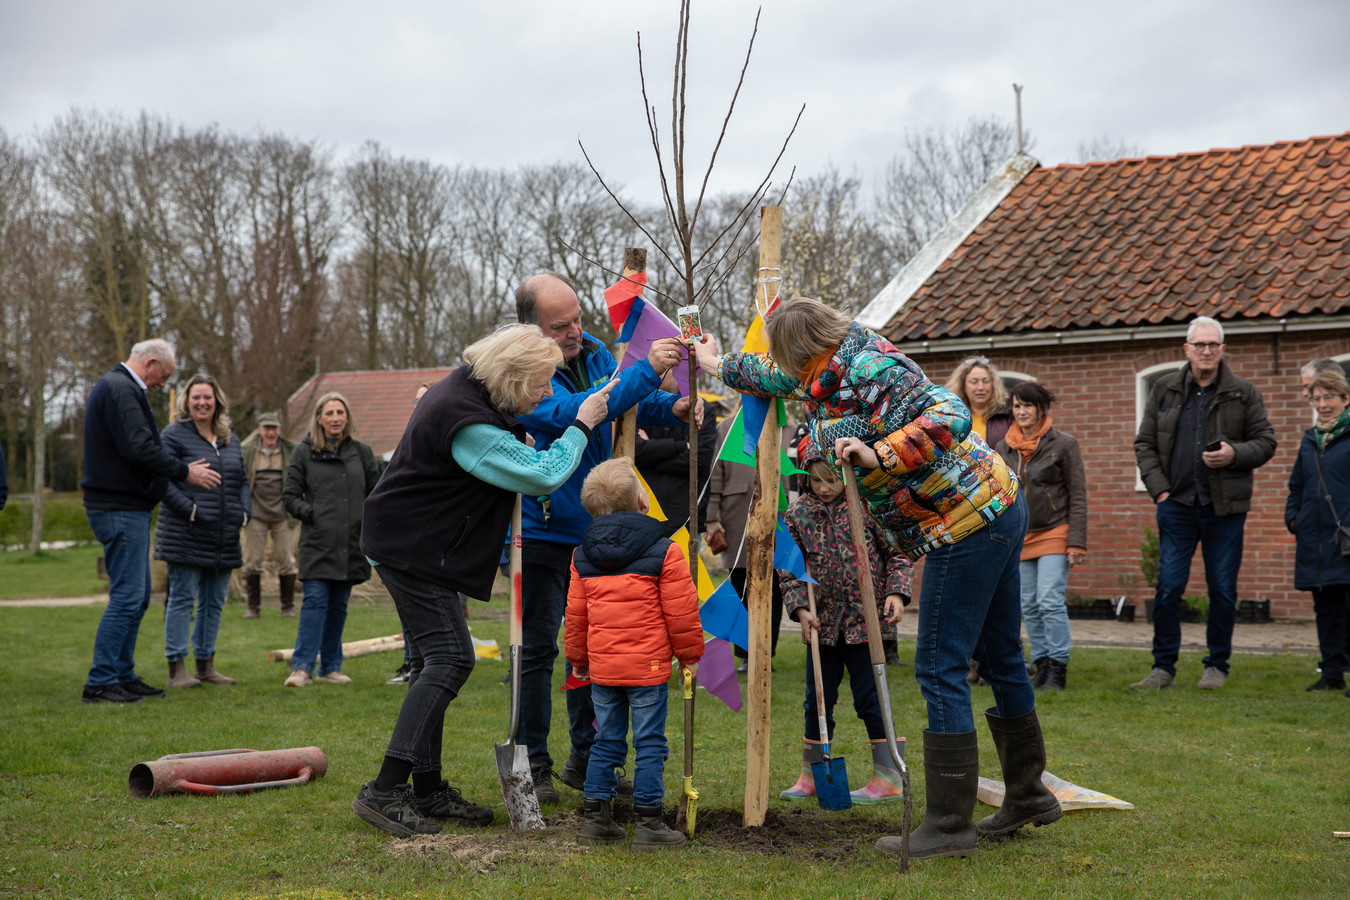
653 507
681 539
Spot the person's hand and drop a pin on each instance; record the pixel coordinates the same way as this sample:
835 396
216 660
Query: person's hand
1076 558
1163 496
529 440
581 672
1218 459
716 537
665 354
691 668
595 408
809 624
894 608
681 411
642 433
202 475
709 357
850 449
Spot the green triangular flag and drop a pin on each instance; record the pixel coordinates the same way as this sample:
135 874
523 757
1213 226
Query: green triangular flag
733 448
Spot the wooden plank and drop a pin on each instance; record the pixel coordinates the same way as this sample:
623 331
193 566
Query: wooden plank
349 650
759 563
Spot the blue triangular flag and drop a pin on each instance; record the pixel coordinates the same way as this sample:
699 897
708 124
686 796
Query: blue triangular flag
630 323
787 555
724 616
754 411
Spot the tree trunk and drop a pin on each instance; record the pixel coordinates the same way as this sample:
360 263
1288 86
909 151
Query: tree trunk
39 462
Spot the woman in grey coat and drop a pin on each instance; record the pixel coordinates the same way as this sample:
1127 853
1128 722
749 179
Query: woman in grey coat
198 530
327 481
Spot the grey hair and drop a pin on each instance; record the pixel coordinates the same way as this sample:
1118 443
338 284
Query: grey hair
1318 366
155 348
1200 322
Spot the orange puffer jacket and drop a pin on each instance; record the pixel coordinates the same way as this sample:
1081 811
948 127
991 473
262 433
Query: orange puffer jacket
631 605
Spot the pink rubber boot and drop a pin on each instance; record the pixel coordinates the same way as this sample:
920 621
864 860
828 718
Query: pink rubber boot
806 783
885 786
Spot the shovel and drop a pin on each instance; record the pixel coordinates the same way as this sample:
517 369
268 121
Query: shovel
869 605
690 798
513 762
830 775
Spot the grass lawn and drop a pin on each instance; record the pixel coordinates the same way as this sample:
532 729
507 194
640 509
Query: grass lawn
1237 791
72 572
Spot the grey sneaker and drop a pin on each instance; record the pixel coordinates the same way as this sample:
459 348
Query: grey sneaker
393 811
1213 679
1156 681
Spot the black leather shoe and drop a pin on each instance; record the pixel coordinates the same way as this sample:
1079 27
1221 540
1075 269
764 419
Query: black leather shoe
141 689
109 693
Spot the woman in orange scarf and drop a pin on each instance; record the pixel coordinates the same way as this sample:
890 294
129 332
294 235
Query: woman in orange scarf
1048 464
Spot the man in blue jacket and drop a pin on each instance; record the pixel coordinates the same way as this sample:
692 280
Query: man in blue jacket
553 525
126 472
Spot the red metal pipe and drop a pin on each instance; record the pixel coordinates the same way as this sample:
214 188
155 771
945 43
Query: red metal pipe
226 771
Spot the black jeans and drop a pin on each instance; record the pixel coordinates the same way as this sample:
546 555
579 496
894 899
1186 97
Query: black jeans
834 659
1333 629
775 605
442 659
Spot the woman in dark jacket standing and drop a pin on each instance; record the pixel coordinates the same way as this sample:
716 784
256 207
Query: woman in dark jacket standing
327 481
198 531
435 527
1047 462
1319 500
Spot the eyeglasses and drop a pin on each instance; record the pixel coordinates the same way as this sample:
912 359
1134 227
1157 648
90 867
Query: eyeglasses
1326 398
1206 346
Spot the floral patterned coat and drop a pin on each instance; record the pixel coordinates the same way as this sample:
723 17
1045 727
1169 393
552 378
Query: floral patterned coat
822 531
938 482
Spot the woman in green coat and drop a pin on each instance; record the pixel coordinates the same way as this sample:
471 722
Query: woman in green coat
327 481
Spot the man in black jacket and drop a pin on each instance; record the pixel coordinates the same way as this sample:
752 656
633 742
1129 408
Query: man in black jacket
126 472
1203 433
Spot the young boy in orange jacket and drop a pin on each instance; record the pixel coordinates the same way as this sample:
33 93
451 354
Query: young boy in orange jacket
631 606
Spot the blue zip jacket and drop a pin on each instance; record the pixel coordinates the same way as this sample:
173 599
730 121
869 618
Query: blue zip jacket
200 527
565 520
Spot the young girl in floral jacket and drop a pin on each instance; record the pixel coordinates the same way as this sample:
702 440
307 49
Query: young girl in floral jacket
818 521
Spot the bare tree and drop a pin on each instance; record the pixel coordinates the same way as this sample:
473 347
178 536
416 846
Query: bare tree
935 173
831 249
1105 148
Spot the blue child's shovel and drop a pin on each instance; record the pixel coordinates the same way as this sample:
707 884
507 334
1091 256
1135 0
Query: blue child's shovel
830 775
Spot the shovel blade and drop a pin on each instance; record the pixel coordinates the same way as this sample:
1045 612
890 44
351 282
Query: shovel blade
513 768
831 779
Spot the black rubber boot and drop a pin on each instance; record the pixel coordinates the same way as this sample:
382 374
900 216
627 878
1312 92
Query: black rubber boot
951 775
1042 670
599 827
253 592
1056 675
287 586
651 832
1021 753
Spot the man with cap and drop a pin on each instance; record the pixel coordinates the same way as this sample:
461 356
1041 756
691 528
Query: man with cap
266 454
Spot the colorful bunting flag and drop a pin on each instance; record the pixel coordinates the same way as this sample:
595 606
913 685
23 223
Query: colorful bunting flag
619 297
717 673
650 325
724 616
787 555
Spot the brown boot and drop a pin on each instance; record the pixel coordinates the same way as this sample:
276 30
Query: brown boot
206 671
179 677
287 596
253 592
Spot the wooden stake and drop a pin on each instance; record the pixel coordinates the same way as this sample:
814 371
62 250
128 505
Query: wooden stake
759 562
625 429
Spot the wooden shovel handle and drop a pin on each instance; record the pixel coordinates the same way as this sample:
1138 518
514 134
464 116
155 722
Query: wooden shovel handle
867 590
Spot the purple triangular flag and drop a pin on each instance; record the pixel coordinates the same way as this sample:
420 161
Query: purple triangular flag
717 673
651 325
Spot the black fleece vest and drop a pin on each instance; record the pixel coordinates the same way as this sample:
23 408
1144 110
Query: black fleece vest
429 517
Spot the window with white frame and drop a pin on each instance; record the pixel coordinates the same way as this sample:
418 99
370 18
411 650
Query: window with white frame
1144 380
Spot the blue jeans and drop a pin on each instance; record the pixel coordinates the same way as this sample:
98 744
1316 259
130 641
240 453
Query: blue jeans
322 618
612 705
125 536
188 584
545 572
1180 528
442 660
1043 609
970 608
834 659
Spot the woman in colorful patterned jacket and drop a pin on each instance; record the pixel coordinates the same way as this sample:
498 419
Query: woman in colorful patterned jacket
940 492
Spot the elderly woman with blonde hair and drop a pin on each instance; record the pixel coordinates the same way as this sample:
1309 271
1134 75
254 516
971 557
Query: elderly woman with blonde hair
940 494
434 527
327 480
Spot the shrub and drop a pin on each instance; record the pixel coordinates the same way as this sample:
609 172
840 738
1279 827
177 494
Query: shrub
1148 557
63 519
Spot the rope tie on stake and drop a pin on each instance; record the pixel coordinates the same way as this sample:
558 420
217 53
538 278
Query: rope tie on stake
775 277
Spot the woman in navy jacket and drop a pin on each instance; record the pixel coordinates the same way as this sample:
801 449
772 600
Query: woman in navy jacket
1319 495
198 531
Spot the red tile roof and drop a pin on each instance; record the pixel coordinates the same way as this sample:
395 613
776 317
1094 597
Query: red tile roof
1233 234
381 403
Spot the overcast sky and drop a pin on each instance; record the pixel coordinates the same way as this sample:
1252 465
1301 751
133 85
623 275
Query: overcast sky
502 83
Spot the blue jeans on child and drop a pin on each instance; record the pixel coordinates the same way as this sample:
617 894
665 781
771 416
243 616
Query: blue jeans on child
205 587
1180 528
125 536
970 607
612 705
834 659
322 618
1043 609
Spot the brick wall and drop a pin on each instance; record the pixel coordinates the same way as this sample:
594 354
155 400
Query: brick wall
1095 387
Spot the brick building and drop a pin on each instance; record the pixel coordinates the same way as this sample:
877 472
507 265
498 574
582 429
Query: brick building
381 403
1085 276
